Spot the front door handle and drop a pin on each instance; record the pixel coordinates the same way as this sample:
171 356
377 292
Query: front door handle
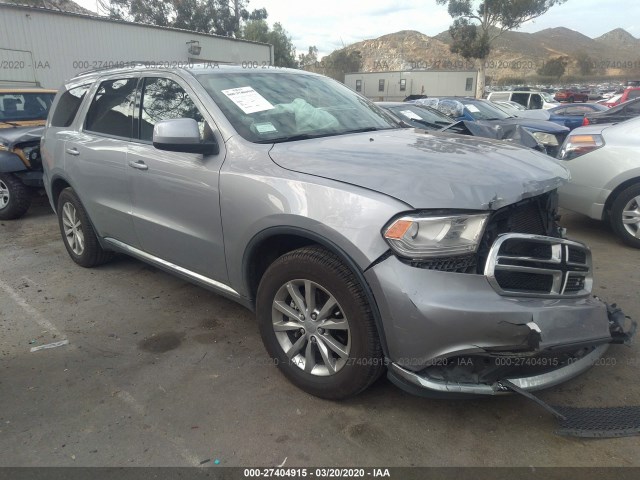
73 151
140 165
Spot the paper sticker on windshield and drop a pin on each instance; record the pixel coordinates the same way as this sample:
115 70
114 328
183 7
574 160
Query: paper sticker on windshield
266 127
472 108
410 114
247 99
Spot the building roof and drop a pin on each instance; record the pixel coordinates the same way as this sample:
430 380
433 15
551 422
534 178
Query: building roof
100 18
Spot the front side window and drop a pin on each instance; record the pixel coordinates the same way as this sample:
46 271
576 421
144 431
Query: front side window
111 112
68 106
164 99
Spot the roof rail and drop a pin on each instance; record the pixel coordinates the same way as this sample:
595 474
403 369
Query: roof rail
110 66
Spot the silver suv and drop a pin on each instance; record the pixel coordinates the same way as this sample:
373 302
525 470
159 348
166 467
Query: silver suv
362 247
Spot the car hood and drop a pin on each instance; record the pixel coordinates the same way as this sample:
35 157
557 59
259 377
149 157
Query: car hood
529 123
16 135
427 170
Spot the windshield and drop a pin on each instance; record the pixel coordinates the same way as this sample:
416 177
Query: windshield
16 106
484 111
280 107
420 117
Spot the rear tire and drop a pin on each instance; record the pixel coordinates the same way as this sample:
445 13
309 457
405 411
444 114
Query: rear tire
78 235
625 215
317 324
15 197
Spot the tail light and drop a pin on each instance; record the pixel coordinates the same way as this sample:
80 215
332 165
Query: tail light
585 121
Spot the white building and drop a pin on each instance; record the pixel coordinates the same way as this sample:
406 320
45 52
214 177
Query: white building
43 47
396 86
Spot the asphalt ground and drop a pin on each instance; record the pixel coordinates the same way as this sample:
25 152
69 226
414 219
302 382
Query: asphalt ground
159 372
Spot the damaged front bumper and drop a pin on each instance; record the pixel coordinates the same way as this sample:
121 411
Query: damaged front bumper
461 333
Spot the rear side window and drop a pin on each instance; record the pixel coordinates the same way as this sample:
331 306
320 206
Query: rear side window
521 98
164 99
111 111
68 106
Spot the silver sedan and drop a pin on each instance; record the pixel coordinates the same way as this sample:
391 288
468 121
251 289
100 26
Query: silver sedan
604 161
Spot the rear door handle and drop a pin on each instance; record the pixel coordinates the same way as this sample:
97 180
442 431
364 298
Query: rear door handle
73 151
140 165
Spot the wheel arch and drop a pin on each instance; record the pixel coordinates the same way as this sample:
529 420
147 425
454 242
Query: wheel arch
270 244
58 184
614 194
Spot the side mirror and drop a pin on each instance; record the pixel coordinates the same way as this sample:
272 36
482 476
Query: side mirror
182 135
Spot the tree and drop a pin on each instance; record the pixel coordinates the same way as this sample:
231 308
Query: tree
308 60
554 67
207 16
477 24
284 52
340 62
584 63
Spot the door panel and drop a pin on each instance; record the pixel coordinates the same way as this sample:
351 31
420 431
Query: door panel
97 160
176 198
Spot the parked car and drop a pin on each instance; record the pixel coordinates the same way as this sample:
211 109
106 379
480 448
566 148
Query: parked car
360 245
509 104
629 94
23 112
571 116
423 117
611 101
548 134
531 100
417 116
605 176
617 114
571 95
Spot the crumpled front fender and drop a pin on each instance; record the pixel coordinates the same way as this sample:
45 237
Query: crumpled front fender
10 163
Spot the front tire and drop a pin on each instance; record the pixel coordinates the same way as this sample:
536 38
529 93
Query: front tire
625 215
77 232
15 197
317 325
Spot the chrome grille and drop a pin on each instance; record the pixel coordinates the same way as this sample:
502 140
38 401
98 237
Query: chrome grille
538 266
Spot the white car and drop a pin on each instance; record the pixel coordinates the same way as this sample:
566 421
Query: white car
604 161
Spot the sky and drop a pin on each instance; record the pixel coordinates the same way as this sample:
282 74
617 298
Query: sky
330 24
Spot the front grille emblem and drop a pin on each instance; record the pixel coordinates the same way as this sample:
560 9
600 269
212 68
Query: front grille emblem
538 266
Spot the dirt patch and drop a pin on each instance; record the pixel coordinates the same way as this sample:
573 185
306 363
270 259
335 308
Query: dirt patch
162 342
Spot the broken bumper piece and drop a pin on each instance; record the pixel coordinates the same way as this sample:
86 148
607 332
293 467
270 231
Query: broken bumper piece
421 384
622 330
455 333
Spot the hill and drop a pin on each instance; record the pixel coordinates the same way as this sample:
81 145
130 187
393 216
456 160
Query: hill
515 54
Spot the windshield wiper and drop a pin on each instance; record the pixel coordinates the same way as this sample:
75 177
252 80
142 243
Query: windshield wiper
365 129
300 136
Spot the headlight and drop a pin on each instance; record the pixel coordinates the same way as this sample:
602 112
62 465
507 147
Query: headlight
419 236
3 147
576 145
545 138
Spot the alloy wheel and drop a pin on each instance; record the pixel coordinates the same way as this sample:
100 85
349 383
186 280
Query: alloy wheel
5 195
631 217
73 228
311 328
